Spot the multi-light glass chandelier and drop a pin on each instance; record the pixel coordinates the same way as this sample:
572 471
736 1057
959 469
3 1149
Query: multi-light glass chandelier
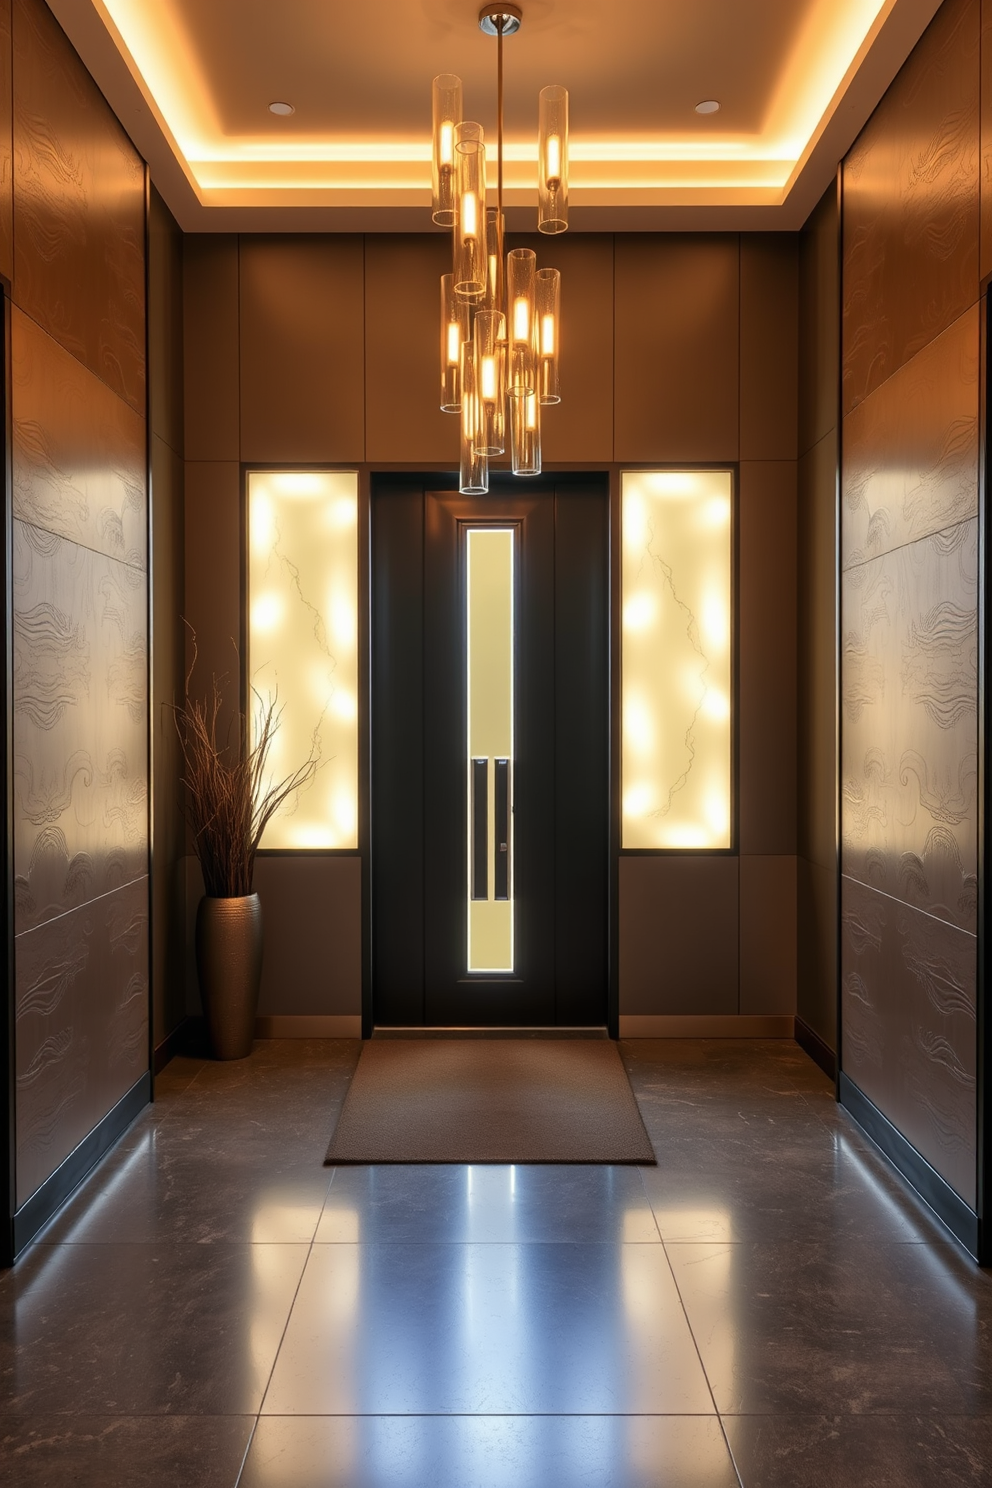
500 323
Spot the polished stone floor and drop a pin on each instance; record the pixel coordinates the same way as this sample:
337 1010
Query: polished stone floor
767 1307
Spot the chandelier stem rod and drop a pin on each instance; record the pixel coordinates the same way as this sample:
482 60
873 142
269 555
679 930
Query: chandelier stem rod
499 117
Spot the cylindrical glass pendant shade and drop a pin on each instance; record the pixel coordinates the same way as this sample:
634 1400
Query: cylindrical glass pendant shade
552 157
490 365
493 297
473 475
525 435
447 99
470 267
548 302
521 266
454 331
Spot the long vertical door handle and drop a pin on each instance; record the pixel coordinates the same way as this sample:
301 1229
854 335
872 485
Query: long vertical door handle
480 828
501 875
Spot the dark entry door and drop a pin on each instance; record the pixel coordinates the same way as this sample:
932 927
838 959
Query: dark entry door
490 753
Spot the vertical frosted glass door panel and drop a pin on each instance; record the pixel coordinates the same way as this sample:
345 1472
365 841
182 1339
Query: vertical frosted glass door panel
489 564
676 659
303 643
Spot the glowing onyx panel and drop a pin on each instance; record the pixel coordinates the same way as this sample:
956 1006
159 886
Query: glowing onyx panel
303 643
676 659
489 652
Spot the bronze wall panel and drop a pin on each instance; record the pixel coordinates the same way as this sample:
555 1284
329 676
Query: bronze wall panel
909 1026
910 461
909 695
80 463
766 686
819 322
211 347
580 427
768 936
81 1011
303 348
986 133
677 930
911 206
309 903
168 671
80 725
79 208
6 144
769 346
165 323
676 347
404 421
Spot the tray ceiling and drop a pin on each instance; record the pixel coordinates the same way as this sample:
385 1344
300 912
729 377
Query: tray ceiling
192 80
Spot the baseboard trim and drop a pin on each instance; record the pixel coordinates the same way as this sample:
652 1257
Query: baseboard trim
678 1025
935 1191
49 1198
317 1026
817 1048
173 1044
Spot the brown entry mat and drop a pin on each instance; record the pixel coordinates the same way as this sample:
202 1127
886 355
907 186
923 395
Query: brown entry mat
451 1100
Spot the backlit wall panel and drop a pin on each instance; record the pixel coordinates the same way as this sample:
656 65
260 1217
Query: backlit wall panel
303 644
676 659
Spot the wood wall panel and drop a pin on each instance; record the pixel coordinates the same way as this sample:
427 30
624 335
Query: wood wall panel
81 1015
678 934
6 144
165 324
211 347
766 606
79 456
676 347
579 429
309 904
986 141
769 345
819 321
213 574
79 208
817 911
816 671
911 206
80 725
911 448
768 935
302 349
908 994
909 697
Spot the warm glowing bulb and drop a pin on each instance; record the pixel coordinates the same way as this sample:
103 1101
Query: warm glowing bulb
531 415
553 156
489 379
470 215
547 335
454 343
521 319
447 142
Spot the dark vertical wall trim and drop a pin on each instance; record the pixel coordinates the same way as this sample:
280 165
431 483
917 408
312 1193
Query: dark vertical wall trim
8 1148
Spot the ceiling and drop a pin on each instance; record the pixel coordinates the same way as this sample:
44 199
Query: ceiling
191 80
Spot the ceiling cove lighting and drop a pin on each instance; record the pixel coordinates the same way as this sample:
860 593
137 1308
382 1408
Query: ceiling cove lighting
500 322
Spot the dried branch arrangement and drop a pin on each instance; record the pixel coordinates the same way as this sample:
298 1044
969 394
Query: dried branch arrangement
228 804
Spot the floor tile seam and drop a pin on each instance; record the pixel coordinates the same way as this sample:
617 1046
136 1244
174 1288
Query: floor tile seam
462 1415
695 1342
248 1445
285 1329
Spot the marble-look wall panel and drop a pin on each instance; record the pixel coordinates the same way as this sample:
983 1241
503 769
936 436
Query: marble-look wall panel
80 725
911 206
909 1026
909 697
910 450
79 208
80 462
6 144
81 1017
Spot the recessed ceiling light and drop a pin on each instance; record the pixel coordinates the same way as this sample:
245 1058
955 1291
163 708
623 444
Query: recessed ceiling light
282 109
708 106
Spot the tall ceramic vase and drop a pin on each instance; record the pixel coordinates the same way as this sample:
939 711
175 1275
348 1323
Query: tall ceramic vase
229 963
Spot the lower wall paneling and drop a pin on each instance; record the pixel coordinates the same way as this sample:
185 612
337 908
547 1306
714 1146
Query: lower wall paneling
81 1011
678 935
908 998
